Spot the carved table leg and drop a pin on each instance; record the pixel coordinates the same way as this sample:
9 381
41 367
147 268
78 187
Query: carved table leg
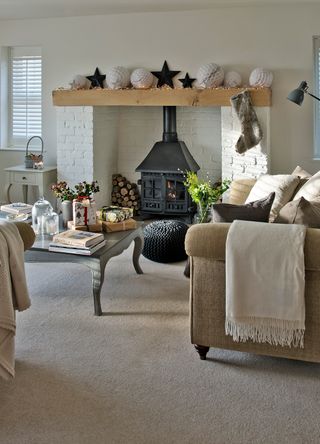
138 246
202 350
7 191
97 282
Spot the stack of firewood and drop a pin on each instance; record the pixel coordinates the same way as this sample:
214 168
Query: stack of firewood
125 193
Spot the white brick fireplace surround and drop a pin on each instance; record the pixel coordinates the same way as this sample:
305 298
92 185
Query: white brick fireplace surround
96 142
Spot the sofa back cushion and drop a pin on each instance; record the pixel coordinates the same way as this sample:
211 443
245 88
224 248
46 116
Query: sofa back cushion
311 189
284 185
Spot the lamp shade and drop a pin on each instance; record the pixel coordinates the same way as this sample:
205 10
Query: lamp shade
297 95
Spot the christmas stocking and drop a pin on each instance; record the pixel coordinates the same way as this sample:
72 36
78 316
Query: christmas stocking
251 132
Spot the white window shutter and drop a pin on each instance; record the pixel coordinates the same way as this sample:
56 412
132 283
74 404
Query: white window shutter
25 95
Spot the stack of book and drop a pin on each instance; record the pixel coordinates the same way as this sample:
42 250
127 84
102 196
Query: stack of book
17 210
77 242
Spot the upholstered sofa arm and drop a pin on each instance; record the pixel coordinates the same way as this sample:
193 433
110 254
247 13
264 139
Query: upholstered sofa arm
27 234
209 241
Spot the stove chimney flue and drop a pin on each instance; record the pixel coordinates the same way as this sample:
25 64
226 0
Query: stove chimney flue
169 124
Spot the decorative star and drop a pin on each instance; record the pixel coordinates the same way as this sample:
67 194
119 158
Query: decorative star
187 81
97 79
165 76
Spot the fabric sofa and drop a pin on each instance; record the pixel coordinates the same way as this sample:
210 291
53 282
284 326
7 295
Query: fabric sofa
205 244
26 233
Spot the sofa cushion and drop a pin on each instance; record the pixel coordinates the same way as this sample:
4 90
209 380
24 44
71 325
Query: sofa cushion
239 190
300 211
311 189
257 211
303 174
283 185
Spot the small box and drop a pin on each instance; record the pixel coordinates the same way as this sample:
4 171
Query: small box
111 227
114 214
94 228
84 212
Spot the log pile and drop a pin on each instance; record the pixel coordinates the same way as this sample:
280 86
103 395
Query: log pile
125 193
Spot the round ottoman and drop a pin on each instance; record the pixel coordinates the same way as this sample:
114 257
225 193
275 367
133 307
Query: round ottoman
164 241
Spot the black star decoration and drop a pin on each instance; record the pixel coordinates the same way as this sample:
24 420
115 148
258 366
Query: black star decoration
165 76
187 81
97 79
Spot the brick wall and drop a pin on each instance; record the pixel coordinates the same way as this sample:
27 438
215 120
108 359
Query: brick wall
95 142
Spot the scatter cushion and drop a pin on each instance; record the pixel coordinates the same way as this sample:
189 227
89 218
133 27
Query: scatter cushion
300 211
311 189
284 185
303 174
239 190
257 211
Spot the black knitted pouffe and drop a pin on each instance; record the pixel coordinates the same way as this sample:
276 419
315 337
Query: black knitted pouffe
164 241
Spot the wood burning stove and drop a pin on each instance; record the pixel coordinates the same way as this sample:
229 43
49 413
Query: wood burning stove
162 188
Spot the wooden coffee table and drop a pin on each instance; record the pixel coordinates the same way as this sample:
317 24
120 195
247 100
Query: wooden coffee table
116 243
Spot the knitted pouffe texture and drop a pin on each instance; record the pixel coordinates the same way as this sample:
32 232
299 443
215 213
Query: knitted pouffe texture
164 241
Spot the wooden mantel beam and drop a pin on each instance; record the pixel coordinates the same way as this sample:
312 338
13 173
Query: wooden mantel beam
157 97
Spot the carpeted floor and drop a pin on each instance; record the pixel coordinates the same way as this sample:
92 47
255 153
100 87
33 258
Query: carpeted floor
131 376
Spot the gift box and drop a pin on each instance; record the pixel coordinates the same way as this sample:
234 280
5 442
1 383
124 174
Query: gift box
84 212
111 227
95 228
114 214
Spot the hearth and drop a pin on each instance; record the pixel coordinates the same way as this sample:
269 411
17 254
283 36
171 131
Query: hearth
162 188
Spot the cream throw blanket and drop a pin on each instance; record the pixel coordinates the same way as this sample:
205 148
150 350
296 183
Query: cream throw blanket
265 283
13 292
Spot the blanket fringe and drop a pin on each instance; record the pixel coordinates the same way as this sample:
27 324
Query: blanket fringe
272 331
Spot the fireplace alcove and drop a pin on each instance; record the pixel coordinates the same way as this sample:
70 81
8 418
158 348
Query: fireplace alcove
91 143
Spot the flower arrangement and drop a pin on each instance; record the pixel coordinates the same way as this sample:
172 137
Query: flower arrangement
204 193
83 190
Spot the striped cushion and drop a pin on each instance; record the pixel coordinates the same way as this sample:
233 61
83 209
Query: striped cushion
283 185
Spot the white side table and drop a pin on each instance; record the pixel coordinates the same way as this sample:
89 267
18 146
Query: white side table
21 175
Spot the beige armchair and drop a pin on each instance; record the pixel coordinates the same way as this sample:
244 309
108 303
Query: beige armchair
205 244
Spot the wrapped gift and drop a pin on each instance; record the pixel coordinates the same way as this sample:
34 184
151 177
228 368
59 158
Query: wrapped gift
95 228
84 212
110 227
114 214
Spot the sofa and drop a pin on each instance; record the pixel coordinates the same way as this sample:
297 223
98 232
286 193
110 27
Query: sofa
26 233
205 245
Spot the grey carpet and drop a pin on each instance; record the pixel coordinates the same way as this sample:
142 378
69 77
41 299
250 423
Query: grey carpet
131 376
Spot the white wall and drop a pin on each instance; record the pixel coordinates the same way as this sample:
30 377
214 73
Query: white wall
277 37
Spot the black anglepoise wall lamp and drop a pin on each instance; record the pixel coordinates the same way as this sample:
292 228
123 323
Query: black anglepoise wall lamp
297 95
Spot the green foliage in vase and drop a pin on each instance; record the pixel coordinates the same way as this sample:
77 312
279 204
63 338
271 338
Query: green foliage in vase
204 193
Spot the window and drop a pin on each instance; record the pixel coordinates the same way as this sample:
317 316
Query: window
25 87
316 53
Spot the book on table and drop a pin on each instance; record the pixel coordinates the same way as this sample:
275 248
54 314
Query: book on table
84 251
78 238
16 208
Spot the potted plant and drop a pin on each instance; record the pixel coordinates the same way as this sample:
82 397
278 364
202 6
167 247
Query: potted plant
66 195
204 193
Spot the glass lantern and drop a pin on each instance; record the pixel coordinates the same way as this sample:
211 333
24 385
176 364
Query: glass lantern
50 223
40 208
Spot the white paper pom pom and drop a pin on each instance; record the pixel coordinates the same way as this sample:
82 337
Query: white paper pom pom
210 75
80 82
232 79
141 78
261 77
118 77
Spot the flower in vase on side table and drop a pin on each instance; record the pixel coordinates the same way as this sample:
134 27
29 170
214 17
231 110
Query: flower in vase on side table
204 193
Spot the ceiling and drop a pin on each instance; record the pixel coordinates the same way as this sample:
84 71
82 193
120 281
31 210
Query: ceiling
23 9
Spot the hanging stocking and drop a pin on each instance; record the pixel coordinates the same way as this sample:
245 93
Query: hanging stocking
251 132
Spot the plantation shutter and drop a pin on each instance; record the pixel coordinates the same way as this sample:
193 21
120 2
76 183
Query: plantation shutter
316 51
25 94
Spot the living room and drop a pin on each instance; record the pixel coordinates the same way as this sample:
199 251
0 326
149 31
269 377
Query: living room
132 375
